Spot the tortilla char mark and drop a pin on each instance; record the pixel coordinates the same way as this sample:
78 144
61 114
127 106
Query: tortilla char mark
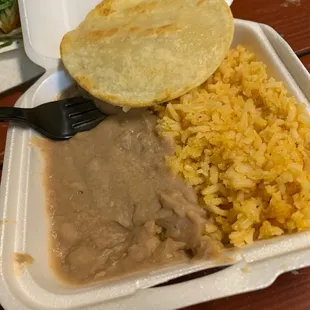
101 34
163 30
143 7
200 2
97 35
102 9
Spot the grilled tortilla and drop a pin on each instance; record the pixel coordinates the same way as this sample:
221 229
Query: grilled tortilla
135 53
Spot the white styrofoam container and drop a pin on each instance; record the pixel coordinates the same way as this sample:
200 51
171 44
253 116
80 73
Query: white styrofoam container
22 200
16 68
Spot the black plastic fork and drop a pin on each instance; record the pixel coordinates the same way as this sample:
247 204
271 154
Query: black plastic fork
57 120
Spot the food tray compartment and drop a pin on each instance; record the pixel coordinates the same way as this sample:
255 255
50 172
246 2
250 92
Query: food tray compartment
23 206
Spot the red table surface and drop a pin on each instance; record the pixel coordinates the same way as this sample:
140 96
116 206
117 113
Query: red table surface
291 18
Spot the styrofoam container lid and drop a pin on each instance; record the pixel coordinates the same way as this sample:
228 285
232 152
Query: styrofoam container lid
45 23
22 201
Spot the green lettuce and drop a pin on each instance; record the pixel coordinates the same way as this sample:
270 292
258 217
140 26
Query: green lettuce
9 17
4 4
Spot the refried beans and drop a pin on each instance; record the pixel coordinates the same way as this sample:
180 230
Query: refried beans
115 208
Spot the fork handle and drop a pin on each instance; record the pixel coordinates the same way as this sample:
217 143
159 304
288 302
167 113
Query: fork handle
13 114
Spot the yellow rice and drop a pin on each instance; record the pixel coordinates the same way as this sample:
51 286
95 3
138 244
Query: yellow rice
243 143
